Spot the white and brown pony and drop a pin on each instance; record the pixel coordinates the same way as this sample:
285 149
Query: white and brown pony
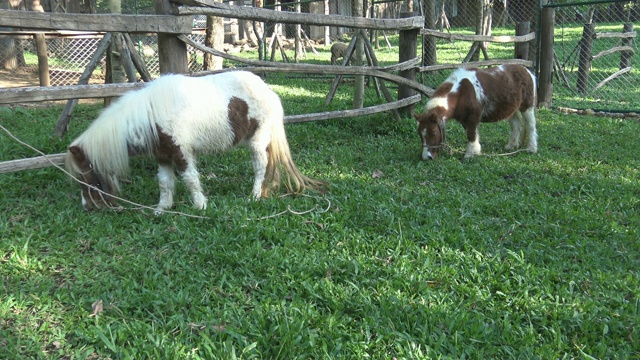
175 118
472 96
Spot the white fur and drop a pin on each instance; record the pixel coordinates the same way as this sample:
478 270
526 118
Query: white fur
473 147
530 119
461 73
530 128
436 102
516 129
166 182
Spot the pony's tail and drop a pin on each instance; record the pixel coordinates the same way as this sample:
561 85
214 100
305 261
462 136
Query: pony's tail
279 154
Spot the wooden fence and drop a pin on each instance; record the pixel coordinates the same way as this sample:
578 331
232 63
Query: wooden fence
173 23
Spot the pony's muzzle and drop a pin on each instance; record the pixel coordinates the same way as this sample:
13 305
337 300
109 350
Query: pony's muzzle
426 154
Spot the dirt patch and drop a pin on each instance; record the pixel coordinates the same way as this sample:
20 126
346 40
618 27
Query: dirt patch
18 78
22 78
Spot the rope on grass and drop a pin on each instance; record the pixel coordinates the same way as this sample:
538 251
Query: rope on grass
289 210
451 150
140 206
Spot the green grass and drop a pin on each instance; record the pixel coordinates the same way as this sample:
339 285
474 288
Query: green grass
526 256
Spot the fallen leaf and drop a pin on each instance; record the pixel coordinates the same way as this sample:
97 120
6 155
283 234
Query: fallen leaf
195 326
220 327
96 308
319 225
377 174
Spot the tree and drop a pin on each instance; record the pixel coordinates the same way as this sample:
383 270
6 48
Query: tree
358 96
214 38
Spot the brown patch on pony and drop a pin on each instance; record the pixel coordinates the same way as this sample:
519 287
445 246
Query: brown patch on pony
510 90
86 173
167 152
443 90
428 122
243 127
468 111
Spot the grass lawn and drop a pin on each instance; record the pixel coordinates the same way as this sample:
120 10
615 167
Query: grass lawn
525 256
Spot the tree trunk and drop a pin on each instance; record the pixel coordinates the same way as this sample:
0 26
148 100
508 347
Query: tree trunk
41 50
327 30
214 38
358 93
429 56
117 64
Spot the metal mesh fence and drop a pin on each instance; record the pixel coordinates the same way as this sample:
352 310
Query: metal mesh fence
476 17
67 57
596 56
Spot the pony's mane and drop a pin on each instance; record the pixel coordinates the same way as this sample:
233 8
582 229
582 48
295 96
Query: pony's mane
128 122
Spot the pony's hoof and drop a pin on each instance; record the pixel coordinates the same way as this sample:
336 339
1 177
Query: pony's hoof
158 211
511 147
199 202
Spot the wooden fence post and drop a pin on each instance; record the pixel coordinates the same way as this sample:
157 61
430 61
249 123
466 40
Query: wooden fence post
584 65
407 50
625 56
43 60
429 56
172 52
522 48
545 77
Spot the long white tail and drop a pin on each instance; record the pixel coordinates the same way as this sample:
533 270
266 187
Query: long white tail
279 154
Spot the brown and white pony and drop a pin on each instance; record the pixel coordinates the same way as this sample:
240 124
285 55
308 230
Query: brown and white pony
177 117
472 96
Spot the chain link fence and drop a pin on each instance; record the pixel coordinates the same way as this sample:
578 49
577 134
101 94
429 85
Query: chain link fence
476 17
595 45
596 55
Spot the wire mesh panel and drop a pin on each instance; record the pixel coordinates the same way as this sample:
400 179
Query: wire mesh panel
68 58
596 55
476 17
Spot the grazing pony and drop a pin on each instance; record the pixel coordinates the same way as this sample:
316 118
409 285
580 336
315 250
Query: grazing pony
177 117
472 96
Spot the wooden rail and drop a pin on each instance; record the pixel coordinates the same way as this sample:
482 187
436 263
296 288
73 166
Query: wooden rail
31 163
96 22
483 38
210 7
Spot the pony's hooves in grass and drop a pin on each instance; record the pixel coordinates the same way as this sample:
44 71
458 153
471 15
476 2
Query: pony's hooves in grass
202 206
200 202
158 211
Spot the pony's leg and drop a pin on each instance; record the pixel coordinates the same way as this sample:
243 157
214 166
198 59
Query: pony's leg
260 160
530 127
473 146
516 130
191 178
167 183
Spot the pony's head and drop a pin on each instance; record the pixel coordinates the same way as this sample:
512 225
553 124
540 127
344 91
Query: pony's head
96 187
431 128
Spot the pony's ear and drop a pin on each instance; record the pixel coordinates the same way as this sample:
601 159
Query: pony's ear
77 153
74 149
